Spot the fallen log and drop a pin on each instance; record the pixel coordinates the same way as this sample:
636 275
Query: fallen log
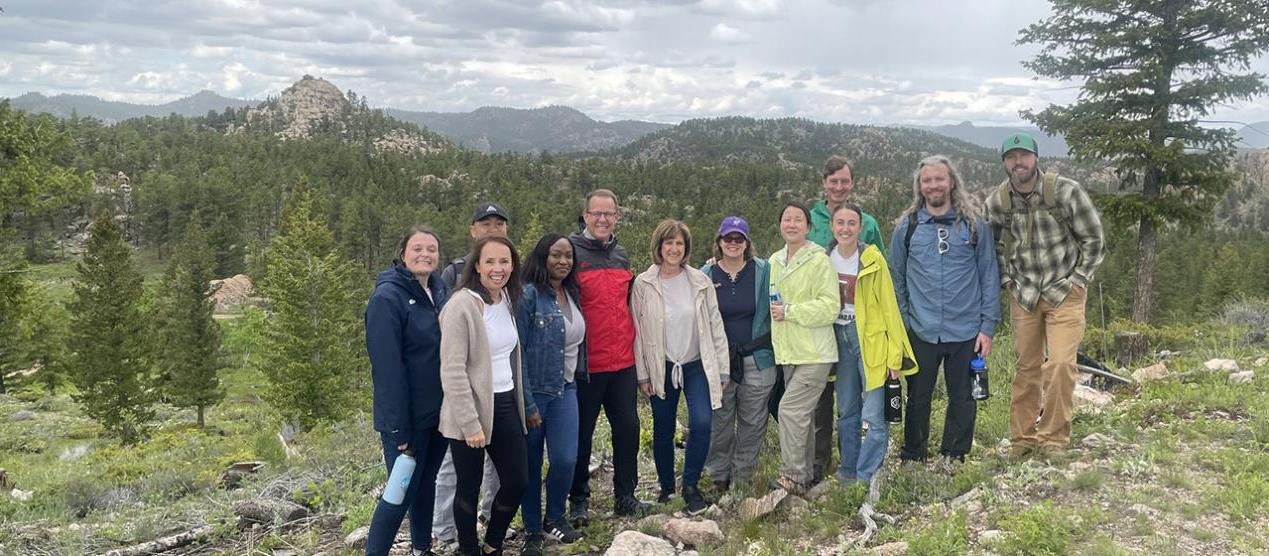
159 546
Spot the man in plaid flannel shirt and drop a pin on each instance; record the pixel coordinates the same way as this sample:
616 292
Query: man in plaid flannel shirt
1049 245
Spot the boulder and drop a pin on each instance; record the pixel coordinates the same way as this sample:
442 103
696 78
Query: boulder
1227 365
653 523
818 491
23 415
21 495
74 453
891 549
356 540
990 536
634 543
1260 362
1097 440
757 508
1091 400
232 477
964 500
694 533
232 293
1153 372
267 511
1242 377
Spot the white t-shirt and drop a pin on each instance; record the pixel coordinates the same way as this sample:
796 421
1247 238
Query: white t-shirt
847 272
574 333
501 329
682 341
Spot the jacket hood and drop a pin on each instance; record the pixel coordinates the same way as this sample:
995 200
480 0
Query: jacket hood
402 278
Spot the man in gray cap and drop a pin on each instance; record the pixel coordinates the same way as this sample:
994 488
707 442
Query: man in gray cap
489 219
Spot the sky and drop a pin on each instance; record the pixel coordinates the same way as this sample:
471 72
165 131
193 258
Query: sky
858 61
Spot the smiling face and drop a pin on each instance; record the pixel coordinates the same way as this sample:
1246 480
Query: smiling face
421 254
1020 165
601 217
838 185
488 226
733 245
494 266
846 224
673 250
559 260
793 225
936 185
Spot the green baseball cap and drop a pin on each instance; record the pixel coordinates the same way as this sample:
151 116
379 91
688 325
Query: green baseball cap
1019 141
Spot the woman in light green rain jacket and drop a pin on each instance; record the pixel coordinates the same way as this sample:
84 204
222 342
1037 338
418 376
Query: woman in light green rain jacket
805 302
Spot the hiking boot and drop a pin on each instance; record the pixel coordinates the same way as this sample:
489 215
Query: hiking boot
631 506
579 512
694 501
563 532
1019 451
665 496
533 545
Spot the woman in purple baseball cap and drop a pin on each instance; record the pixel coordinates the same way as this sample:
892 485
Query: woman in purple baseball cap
739 428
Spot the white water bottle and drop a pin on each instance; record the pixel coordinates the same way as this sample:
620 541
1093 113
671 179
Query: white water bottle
399 480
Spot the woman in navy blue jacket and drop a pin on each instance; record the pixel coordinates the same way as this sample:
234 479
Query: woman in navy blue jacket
552 336
403 338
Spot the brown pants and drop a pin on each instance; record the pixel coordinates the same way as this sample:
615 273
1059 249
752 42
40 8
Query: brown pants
1045 384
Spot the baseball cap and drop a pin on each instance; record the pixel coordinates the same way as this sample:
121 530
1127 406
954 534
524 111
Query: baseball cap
734 224
489 209
1019 141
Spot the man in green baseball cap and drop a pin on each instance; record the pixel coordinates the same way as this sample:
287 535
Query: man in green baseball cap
1049 244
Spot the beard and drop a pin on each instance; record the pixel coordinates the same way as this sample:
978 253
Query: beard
1029 177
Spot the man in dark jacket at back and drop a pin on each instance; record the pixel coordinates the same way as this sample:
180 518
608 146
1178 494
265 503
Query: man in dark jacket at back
488 220
603 270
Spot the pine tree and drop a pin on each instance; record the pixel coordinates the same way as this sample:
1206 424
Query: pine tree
1151 70
313 353
46 334
227 248
533 231
187 339
107 331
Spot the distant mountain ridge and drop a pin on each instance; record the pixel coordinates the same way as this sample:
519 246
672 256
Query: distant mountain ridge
110 111
991 136
529 130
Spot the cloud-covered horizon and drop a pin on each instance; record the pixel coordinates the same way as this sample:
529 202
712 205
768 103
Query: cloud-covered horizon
857 61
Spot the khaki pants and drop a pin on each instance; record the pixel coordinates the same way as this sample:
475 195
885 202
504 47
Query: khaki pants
803 385
1045 384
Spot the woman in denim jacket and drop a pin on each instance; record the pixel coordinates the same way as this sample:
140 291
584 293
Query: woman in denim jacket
552 333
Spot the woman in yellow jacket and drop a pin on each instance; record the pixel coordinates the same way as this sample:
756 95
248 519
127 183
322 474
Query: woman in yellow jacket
871 344
804 303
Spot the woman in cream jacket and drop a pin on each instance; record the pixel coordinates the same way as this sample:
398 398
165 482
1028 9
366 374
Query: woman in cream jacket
680 347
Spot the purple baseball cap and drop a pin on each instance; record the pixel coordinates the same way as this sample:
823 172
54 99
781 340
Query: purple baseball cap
734 224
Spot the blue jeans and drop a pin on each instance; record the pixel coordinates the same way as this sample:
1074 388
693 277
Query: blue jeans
665 420
559 431
429 449
855 405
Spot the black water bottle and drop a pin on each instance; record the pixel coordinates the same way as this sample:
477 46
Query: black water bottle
978 368
894 400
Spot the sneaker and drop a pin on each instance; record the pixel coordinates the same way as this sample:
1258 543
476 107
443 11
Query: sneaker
533 545
579 512
483 521
442 547
788 485
631 506
665 496
694 501
563 532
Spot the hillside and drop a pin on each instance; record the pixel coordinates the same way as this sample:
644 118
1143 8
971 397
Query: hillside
1255 136
557 129
63 106
990 136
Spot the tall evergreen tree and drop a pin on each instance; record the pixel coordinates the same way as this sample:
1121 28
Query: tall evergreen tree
107 332
187 339
227 247
313 353
1151 69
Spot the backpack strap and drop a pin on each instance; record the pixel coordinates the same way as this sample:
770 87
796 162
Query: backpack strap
907 236
1004 233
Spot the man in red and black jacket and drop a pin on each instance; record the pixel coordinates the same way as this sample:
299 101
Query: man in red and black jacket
603 270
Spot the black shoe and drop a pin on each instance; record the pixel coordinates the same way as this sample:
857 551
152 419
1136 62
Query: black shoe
563 532
665 496
631 506
533 545
579 514
722 485
694 501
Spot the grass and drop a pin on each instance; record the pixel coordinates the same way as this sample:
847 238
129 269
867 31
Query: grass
1192 449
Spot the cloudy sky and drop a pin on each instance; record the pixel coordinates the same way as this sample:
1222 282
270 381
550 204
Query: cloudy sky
859 61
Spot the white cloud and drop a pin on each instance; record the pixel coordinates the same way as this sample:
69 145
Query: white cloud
728 34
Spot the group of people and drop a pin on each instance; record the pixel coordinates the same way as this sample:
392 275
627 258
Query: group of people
480 367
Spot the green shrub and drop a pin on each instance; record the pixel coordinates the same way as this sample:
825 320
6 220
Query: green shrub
266 446
1039 529
83 496
943 537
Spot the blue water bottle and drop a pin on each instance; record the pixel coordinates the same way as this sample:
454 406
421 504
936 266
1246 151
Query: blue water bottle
978 368
399 480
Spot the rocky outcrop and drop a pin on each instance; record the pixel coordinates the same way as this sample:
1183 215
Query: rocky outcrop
301 108
233 293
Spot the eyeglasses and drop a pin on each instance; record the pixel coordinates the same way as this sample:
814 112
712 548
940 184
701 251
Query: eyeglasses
603 214
733 239
944 246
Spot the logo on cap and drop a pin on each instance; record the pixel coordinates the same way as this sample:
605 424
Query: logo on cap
490 208
1017 140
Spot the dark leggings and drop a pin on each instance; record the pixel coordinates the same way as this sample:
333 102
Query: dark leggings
507 449
616 393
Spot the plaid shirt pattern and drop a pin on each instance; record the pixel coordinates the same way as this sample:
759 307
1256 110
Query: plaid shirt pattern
1049 257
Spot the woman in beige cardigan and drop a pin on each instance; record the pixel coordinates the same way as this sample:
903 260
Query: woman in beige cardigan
483 408
680 346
